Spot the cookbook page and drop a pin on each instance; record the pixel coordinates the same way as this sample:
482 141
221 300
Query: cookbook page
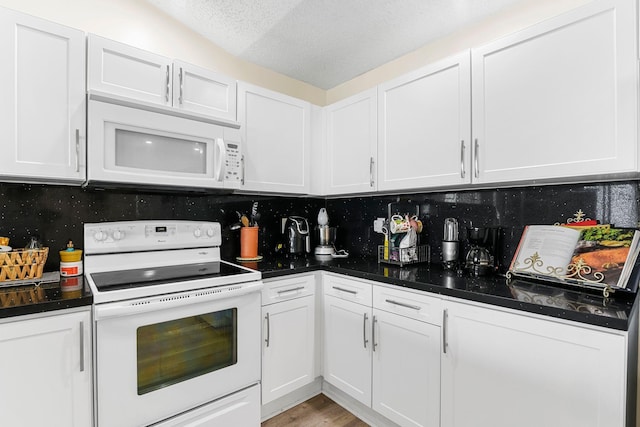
545 250
606 255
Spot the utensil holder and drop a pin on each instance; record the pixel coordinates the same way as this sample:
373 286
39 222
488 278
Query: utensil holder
249 242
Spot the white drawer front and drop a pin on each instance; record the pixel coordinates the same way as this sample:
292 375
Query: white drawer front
409 304
285 289
347 289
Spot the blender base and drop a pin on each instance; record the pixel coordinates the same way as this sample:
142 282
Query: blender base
324 250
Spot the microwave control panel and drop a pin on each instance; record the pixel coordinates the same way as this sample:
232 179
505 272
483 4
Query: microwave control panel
233 162
233 165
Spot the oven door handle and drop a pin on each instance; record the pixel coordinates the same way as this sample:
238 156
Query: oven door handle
180 299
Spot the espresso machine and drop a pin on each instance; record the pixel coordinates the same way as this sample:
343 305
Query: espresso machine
297 236
483 252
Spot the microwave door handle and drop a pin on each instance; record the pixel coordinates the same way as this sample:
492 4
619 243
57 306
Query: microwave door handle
221 155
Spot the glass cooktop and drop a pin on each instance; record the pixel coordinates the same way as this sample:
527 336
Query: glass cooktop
126 279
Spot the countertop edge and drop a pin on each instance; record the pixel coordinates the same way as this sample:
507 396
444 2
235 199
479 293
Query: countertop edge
552 312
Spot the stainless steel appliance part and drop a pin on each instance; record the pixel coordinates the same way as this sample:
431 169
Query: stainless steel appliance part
450 243
175 326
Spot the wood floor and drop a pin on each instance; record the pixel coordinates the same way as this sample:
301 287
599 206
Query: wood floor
315 412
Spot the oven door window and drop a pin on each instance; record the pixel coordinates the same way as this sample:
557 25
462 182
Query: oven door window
181 349
159 152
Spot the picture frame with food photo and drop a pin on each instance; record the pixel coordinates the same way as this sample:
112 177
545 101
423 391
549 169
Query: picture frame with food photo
600 256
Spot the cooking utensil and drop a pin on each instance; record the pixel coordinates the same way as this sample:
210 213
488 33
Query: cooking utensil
244 220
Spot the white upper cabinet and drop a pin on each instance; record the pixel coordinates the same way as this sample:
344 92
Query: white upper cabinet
559 98
203 91
276 140
122 70
352 144
42 107
424 127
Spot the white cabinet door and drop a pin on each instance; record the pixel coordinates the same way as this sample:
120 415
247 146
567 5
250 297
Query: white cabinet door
288 346
424 122
352 142
42 107
559 98
347 347
124 70
45 366
502 369
203 91
276 140
406 370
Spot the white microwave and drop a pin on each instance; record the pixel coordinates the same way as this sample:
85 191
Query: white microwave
138 147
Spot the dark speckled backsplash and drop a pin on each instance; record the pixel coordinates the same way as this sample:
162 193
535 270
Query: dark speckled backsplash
57 213
511 209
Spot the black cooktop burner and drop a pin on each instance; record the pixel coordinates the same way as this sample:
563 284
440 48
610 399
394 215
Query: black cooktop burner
125 279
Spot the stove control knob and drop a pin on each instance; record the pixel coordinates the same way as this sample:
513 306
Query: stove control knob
99 236
118 235
210 232
197 232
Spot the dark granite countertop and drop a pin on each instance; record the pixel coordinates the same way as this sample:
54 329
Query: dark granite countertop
574 304
589 307
49 293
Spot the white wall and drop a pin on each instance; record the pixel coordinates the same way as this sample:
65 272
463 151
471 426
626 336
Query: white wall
520 16
137 23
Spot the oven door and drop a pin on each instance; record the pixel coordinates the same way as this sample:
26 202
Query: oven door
135 146
161 356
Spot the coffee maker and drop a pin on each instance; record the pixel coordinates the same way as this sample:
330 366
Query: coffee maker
484 250
297 237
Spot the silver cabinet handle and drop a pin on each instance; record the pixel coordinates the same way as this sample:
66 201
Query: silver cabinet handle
290 290
401 304
242 167
166 92
371 180
445 315
77 150
81 346
268 329
475 160
373 333
364 330
181 86
462 171
345 290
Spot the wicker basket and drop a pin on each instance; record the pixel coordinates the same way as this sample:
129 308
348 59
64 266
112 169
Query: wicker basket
22 264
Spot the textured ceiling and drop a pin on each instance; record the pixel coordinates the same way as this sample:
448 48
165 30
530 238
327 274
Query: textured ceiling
326 42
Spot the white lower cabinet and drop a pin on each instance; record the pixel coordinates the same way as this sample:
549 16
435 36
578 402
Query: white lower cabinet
347 347
288 350
504 369
45 366
381 350
406 357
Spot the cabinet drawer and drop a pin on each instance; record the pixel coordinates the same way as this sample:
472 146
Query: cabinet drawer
347 289
409 304
286 289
